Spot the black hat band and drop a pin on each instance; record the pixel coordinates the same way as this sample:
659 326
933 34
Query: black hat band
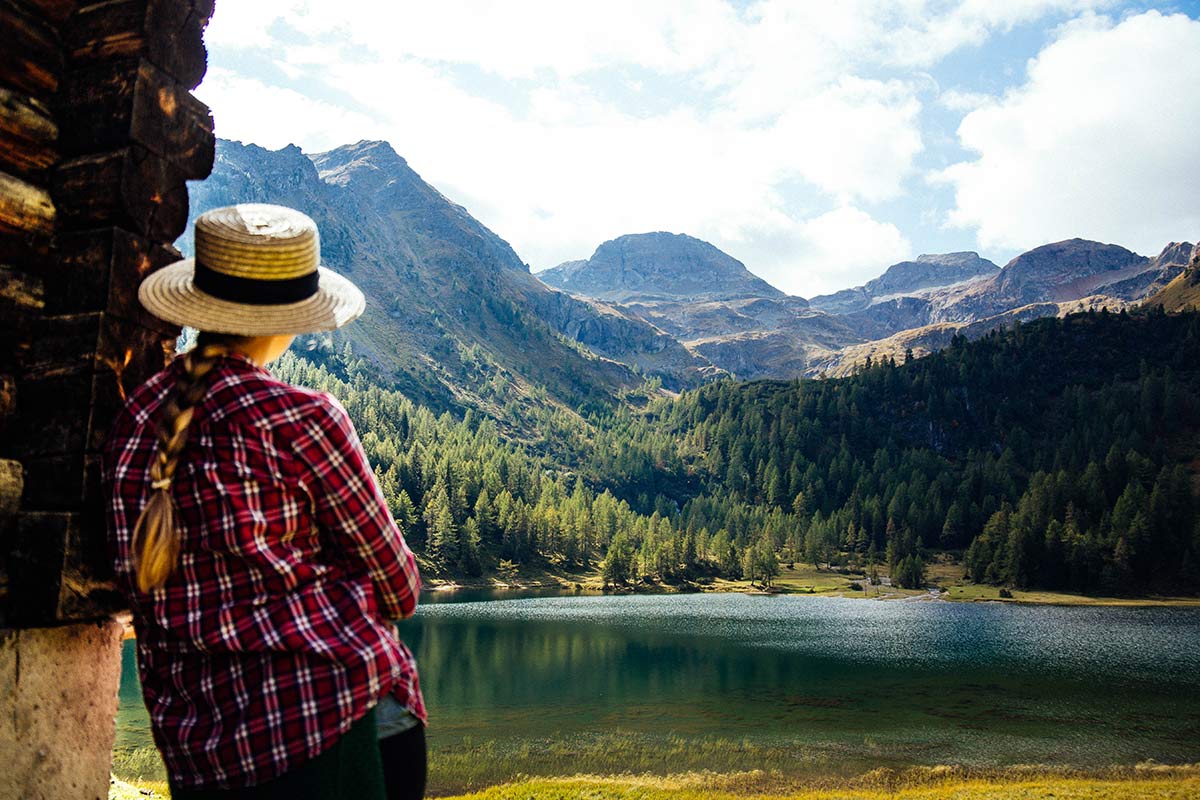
255 291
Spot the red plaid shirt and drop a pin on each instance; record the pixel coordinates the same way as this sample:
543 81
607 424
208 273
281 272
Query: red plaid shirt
271 637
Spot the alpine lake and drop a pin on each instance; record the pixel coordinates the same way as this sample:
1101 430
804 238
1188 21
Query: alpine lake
820 687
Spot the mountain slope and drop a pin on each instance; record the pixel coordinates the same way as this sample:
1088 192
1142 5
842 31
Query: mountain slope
454 318
1183 292
908 277
658 266
1044 278
707 300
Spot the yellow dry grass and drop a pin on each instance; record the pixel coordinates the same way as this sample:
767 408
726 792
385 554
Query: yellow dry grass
936 783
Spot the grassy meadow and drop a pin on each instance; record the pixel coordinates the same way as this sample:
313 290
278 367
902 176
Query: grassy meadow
1142 782
945 578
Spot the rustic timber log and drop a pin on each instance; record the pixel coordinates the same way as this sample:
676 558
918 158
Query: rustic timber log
101 270
12 486
27 134
55 11
51 415
31 59
167 32
54 482
131 188
8 402
22 299
127 354
114 103
25 208
122 352
58 569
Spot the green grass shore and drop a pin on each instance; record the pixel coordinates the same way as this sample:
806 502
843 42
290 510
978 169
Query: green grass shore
928 783
945 578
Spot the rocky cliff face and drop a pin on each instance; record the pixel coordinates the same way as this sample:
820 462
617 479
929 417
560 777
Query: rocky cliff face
658 266
706 299
1062 271
906 278
454 318
1183 291
1045 278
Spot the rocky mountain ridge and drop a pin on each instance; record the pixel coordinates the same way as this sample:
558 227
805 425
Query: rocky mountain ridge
454 318
918 304
658 266
928 271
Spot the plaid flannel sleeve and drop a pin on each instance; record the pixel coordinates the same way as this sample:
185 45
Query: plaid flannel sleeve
349 505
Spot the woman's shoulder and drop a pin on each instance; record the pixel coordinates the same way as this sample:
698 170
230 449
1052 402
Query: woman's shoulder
257 397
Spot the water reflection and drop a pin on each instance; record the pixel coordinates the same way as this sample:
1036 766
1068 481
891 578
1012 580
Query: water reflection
987 684
547 684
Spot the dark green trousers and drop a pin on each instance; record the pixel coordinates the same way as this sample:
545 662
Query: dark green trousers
350 769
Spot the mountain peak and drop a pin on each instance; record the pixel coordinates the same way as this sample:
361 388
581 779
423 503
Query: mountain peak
1066 270
1180 253
927 271
374 163
658 265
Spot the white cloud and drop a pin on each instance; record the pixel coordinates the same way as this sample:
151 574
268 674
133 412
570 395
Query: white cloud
249 110
766 130
958 100
840 248
1100 142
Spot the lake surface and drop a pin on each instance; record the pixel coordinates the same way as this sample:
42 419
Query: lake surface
806 685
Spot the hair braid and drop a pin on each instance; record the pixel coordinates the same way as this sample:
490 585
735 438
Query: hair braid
155 535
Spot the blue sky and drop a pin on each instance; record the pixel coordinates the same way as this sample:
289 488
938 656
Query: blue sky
816 142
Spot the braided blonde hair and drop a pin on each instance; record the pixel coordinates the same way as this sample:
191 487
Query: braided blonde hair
155 535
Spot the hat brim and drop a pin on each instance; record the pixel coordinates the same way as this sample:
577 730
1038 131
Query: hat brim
170 294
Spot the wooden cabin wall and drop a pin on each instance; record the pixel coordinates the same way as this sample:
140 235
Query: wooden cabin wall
99 133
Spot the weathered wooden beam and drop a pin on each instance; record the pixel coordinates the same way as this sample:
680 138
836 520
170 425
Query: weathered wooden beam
113 103
127 354
36 559
12 486
22 297
8 402
76 372
52 415
61 345
98 343
130 188
56 11
31 58
54 482
167 32
59 569
26 208
28 134
101 270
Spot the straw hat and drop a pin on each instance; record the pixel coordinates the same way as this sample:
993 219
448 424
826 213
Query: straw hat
256 273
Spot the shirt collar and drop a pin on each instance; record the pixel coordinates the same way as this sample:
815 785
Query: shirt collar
234 359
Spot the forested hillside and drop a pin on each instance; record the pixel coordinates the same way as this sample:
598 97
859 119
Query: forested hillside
1059 454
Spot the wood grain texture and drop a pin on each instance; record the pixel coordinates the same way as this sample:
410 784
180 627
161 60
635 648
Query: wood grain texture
130 188
25 208
28 135
167 32
131 100
31 58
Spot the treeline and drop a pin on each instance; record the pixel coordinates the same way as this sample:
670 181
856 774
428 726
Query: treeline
471 501
1052 455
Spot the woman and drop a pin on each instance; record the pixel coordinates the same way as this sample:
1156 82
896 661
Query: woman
257 554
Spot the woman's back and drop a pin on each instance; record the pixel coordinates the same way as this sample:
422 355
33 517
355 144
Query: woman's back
270 637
